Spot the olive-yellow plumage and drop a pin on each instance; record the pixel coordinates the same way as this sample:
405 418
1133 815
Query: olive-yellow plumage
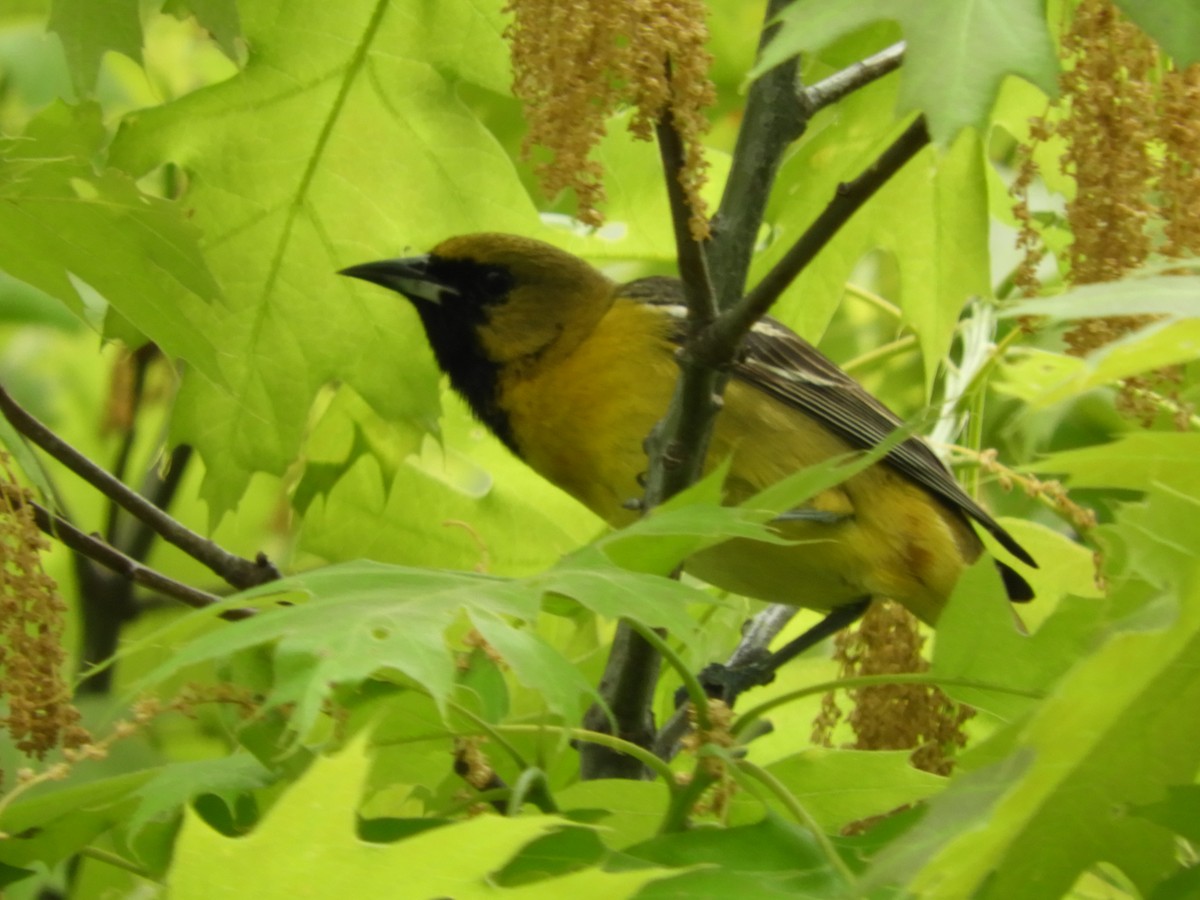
572 370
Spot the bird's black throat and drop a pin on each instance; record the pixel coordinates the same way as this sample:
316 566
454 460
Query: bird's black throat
453 335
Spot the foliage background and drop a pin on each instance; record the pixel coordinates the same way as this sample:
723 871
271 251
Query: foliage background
195 174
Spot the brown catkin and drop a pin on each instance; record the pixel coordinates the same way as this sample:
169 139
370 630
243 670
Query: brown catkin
1133 149
36 708
1179 183
916 717
576 61
1109 129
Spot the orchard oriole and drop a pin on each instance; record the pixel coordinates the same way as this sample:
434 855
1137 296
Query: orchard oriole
571 371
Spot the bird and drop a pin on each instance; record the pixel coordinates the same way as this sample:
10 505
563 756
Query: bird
571 370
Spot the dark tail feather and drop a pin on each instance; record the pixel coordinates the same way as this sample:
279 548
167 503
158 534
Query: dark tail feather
1017 587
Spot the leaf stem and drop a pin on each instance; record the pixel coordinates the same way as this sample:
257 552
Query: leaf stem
800 814
119 862
643 756
695 691
683 801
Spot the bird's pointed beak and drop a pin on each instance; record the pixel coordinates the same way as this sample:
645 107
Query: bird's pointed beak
410 277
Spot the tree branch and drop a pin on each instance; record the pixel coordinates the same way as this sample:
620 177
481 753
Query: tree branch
774 117
678 444
830 90
631 673
140 360
692 262
238 572
95 548
719 343
159 490
628 685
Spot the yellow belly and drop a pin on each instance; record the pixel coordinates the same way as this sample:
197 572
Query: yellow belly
581 423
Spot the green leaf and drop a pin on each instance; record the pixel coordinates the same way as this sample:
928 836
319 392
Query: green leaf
538 665
88 31
837 787
90 237
1066 567
636 210
687 522
1136 461
56 824
611 592
1044 378
1177 296
555 854
978 640
387 618
172 786
770 858
629 811
1179 811
381 490
954 811
1173 24
219 17
1183 885
1117 731
343 122
307 846
958 50
834 150
395 618
483 688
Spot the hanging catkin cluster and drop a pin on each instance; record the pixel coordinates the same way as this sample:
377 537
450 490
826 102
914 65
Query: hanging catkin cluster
36 708
917 717
575 62
1133 149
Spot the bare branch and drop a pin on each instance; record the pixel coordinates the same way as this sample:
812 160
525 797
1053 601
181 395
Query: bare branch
721 341
693 265
240 573
95 548
830 90
633 665
774 117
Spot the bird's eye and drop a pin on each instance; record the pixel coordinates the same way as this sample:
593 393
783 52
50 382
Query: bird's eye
496 282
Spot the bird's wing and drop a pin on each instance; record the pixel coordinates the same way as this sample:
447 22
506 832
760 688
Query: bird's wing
779 362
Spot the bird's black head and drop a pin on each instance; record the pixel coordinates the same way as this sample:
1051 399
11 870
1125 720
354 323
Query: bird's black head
494 302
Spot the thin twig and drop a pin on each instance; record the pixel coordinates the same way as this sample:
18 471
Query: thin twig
678 445
140 361
721 341
159 489
767 779
95 548
757 635
693 265
883 351
240 573
830 90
